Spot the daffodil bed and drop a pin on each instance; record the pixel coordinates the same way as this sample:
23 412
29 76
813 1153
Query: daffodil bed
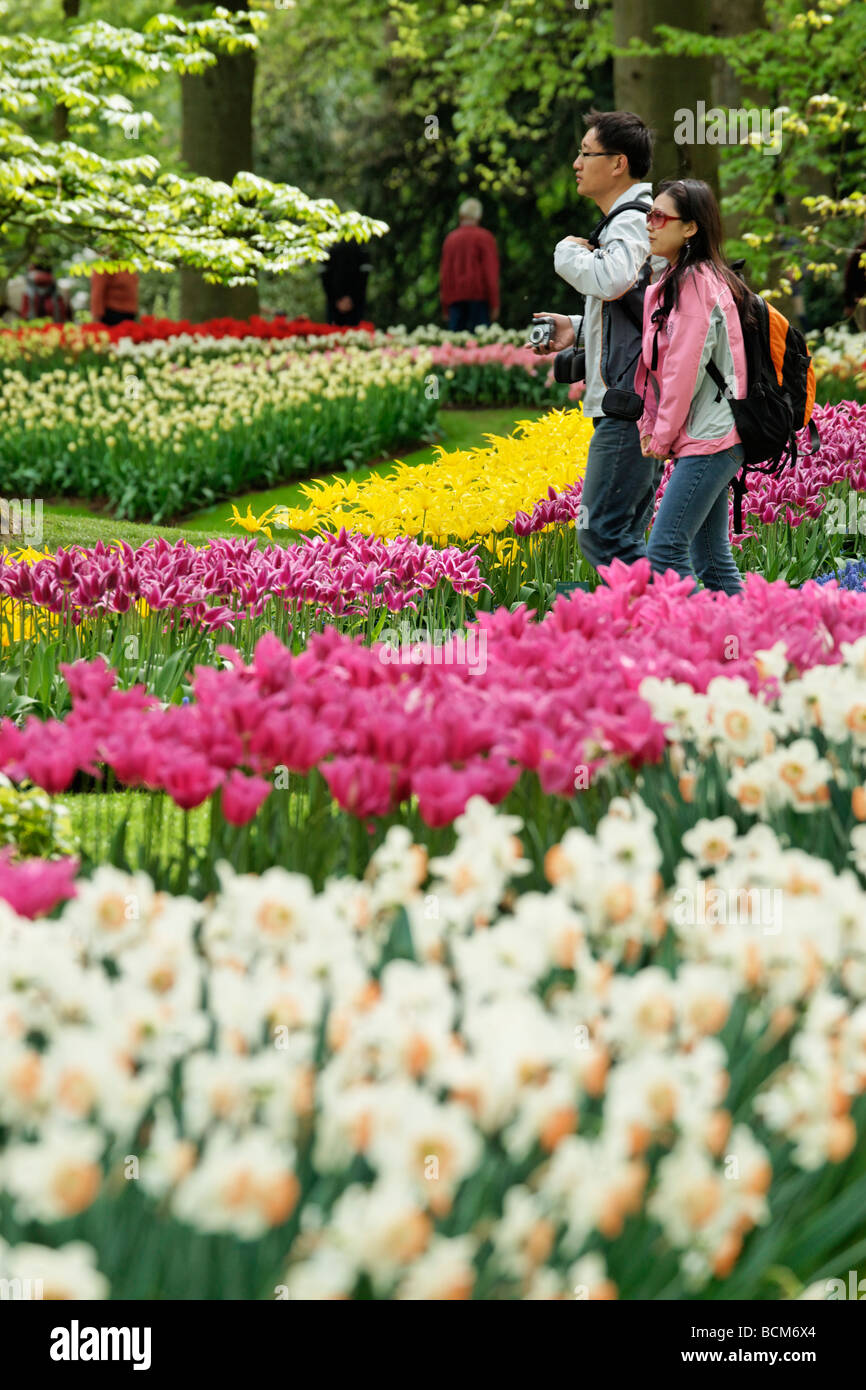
452 1078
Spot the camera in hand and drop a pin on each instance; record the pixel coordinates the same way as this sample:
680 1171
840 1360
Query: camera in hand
541 333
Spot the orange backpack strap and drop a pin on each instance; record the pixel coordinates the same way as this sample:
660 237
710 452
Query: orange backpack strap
778 340
810 394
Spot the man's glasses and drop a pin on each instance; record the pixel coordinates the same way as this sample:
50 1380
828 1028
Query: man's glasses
654 218
597 154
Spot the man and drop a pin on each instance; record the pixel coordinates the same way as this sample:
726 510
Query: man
620 484
469 272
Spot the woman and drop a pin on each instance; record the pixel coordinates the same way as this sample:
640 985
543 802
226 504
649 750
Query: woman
690 319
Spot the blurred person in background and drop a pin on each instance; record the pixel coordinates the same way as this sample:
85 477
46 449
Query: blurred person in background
344 280
113 298
855 286
41 296
469 272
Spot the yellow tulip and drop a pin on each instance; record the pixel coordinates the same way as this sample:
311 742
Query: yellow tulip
252 523
465 495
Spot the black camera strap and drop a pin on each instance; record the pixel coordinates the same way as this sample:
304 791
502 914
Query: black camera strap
593 238
628 405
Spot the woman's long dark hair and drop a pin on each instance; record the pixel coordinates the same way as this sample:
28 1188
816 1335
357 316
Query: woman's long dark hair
695 201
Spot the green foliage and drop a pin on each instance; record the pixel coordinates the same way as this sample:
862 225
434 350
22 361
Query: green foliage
403 115
808 63
34 823
508 71
144 217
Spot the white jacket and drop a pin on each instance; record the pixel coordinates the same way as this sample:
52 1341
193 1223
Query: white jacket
603 276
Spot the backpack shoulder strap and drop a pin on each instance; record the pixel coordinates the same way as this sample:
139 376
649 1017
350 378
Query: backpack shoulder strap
717 379
635 205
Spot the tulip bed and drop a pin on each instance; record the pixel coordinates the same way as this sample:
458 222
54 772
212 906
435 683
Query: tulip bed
156 611
39 346
400 930
496 374
802 521
516 710
152 427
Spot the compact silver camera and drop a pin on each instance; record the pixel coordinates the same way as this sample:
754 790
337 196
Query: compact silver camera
541 333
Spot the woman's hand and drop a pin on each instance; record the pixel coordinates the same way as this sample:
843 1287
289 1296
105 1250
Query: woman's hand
647 452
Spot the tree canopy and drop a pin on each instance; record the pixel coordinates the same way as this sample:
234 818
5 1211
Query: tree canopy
140 215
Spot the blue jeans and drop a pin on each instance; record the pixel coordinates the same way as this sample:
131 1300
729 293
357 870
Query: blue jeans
619 489
465 315
690 534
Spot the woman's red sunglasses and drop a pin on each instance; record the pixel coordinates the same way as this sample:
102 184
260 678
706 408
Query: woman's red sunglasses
654 218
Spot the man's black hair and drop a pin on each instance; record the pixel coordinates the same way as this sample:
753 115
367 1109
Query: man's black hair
622 132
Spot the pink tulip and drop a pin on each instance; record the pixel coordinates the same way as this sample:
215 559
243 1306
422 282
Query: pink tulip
359 785
242 796
190 781
33 887
50 756
550 695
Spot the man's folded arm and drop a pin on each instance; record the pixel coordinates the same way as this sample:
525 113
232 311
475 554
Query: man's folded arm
606 273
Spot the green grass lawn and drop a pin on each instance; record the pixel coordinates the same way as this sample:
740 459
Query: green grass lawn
66 528
65 523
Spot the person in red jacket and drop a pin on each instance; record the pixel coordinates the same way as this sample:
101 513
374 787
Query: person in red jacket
469 272
113 298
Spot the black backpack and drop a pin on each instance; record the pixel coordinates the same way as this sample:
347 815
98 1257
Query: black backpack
779 397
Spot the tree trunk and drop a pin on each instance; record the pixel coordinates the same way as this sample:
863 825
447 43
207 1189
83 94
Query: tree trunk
727 18
741 17
657 88
217 141
71 10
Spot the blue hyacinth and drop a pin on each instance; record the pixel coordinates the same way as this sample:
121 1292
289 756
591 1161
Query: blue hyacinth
851 575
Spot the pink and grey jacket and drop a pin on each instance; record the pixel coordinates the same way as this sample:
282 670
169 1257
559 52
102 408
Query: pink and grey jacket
682 414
